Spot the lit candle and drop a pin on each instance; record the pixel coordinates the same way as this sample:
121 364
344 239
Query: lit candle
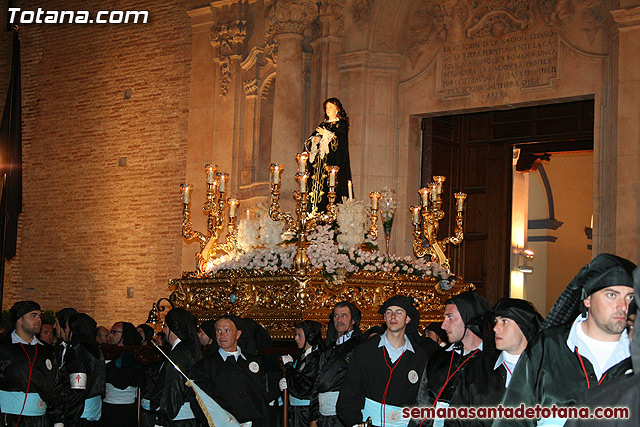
460 199
375 196
210 170
302 180
233 206
302 161
333 175
415 214
350 187
222 180
439 180
424 194
276 170
186 192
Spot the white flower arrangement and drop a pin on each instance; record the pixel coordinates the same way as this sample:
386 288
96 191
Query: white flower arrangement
335 260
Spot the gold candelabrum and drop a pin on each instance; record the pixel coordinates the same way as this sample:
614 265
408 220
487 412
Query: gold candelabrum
304 222
426 220
214 208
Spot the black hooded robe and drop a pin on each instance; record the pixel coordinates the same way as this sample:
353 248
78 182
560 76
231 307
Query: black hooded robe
300 382
334 362
368 375
548 373
45 380
435 383
81 358
170 391
479 384
238 386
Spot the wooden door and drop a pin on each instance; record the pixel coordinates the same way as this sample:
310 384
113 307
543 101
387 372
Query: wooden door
461 149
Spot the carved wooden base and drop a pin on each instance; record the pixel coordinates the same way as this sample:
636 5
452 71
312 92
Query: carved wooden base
278 300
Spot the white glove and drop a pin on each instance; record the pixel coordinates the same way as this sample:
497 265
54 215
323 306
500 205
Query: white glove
58 425
287 359
282 384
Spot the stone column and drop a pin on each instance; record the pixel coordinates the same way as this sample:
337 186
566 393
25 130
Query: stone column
290 18
324 75
369 89
627 194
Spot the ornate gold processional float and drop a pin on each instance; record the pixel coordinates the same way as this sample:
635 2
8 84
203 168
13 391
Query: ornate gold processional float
279 268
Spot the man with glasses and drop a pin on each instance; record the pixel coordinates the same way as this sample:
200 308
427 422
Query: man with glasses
384 372
124 378
343 336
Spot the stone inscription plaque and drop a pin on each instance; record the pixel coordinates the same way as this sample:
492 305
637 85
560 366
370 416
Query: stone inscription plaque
494 66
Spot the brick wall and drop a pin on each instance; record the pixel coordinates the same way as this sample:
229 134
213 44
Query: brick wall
90 229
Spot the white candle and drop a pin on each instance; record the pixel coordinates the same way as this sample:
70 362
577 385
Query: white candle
233 206
222 179
302 181
375 196
210 170
460 199
333 175
434 191
276 169
350 187
424 194
415 214
186 192
302 161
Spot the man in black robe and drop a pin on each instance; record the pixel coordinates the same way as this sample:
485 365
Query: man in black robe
124 379
383 375
171 399
464 321
623 391
576 351
28 365
301 374
236 381
83 375
343 336
484 380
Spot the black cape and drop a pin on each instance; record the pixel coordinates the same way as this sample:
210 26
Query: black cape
81 358
45 379
479 384
548 373
434 384
368 376
238 386
170 391
334 362
300 382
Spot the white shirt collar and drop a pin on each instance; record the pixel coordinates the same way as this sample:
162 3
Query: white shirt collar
344 337
510 361
224 354
620 353
395 353
15 339
307 352
452 348
175 343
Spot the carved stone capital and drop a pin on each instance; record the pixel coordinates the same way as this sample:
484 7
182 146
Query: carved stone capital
227 41
292 16
331 17
251 87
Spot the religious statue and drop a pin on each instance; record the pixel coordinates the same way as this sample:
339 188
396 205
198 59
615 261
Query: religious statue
328 145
